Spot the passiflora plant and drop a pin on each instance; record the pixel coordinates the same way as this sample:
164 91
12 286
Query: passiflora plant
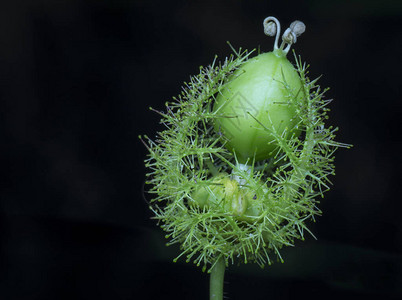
244 158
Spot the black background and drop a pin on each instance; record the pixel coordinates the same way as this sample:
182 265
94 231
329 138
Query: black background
76 81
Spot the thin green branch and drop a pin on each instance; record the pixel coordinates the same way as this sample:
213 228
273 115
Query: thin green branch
216 279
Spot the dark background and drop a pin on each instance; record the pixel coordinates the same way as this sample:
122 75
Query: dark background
76 81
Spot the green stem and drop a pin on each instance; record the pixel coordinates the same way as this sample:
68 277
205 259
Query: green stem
216 280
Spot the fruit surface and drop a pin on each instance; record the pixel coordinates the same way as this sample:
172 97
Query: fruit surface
265 88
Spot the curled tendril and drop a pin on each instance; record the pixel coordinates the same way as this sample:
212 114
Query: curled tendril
269 27
297 27
272 27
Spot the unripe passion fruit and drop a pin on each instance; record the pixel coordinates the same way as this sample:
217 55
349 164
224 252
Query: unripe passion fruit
226 194
266 89
257 208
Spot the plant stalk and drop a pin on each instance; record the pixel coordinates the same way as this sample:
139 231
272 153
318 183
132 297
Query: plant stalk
216 280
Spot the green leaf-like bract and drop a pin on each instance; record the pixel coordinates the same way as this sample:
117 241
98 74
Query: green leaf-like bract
189 153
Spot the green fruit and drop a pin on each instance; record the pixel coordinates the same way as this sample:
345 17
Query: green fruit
265 88
226 194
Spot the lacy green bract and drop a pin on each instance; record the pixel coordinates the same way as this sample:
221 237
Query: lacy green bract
189 155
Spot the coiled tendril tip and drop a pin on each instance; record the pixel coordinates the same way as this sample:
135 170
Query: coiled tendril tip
272 27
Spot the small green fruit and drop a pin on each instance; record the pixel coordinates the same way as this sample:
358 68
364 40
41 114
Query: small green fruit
226 193
266 89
